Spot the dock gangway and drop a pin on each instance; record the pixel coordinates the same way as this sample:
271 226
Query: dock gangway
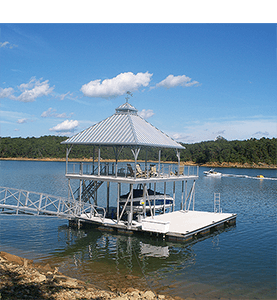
16 201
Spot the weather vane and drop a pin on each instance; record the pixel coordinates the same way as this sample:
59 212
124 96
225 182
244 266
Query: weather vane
129 94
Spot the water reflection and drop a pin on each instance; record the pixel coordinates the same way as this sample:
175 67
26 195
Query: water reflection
88 251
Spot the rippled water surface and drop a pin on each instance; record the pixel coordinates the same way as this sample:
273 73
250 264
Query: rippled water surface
239 262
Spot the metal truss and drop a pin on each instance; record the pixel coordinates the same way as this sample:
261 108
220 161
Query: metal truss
15 201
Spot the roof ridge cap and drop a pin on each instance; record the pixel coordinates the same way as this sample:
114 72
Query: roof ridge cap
133 127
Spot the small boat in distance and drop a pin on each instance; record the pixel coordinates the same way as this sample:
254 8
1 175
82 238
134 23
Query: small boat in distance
212 173
260 176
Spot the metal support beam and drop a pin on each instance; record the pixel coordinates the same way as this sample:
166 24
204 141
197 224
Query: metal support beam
117 206
130 218
174 194
155 186
191 195
182 197
99 156
66 158
135 154
108 196
144 200
159 166
116 154
164 195
178 156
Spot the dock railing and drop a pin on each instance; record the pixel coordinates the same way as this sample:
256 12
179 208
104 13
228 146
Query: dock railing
129 169
15 201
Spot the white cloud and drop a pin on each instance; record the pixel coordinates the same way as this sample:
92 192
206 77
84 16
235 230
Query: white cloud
29 91
63 115
2 45
6 93
146 114
67 125
21 121
62 96
116 86
28 85
173 81
33 89
7 45
50 112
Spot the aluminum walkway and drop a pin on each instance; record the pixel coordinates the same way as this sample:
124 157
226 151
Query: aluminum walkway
15 201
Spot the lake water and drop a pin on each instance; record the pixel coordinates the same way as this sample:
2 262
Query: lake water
237 263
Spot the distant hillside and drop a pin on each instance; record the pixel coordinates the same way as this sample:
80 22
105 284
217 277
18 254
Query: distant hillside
250 151
253 151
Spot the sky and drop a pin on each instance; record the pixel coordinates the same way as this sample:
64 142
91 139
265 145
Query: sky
193 81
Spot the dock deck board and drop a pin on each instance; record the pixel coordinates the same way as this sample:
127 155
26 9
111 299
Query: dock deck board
188 222
174 224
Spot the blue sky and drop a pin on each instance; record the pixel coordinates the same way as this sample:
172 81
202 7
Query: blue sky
192 81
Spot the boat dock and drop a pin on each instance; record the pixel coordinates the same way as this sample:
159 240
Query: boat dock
141 201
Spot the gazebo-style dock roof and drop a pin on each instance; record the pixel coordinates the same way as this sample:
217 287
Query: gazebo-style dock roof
124 128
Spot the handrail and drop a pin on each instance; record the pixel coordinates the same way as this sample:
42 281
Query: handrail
15 200
93 212
151 170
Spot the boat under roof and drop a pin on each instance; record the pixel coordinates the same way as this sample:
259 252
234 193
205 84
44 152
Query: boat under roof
124 128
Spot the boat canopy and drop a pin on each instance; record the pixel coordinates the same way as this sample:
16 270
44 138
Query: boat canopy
124 128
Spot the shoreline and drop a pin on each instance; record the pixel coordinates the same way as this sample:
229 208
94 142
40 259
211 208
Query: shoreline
186 163
23 279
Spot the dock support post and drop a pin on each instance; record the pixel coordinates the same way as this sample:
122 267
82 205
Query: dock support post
178 156
118 196
173 207
144 200
159 166
164 195
155 185
99 153
145 168
182 199
135 153
186 191
80 191
93 159
193 194
130 216
108 196
95 192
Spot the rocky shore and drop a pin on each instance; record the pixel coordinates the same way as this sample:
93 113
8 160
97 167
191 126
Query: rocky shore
21 279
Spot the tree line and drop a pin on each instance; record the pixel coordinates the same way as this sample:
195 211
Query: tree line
250 151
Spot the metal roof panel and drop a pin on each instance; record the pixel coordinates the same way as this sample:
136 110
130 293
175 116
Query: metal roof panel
126 128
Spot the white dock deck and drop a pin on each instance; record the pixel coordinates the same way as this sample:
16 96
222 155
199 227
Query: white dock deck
178 225
185 222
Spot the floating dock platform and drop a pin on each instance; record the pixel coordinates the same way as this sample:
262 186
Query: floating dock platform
183 225
175 226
